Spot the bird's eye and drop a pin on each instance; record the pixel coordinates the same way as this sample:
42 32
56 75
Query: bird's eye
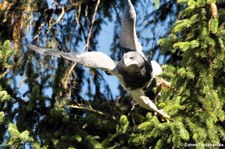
132 57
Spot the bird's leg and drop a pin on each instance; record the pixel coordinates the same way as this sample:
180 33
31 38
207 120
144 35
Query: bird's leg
153 107
161 84
157 93
146 103
164 83
134 103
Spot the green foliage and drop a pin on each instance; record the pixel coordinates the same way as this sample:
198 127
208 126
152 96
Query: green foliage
4 96
195 99
185 24
93 142
5 52
213 25
156 3
46 109
17 138
5 65
2 117
124 123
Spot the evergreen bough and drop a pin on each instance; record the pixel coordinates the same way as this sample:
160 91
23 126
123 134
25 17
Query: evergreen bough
195 100
196 97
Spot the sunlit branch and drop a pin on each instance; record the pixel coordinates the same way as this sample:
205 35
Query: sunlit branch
58 19
92 24
89 108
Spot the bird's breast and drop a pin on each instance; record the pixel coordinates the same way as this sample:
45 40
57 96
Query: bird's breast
135 79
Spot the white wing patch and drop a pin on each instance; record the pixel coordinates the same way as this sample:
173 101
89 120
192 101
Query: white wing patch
156 69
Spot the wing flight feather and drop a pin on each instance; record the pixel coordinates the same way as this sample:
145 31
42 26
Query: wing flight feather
88 59
128 35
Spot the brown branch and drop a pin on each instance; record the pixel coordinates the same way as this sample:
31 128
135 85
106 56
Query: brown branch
92 24
65 82
57 10
73 6
89 108
58 19
87 42
78 22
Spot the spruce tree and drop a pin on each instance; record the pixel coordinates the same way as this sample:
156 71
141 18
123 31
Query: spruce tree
196 97
194 48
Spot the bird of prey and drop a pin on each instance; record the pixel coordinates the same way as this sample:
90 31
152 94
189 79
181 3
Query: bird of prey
134 72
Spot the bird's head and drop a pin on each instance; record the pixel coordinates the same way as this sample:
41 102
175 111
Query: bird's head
132 61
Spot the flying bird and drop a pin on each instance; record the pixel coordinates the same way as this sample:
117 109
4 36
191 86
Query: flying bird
134 71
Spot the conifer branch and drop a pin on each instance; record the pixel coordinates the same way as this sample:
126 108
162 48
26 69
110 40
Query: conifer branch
89 108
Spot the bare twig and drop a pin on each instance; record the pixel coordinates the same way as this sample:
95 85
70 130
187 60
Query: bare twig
78 22
89 108
88 38
78 15
58 19
4 73
68 75
86 108
74 6
92 24
61 15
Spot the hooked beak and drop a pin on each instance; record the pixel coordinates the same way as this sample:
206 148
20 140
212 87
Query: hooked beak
128 62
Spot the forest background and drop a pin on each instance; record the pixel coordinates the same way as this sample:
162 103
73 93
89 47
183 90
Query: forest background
48 103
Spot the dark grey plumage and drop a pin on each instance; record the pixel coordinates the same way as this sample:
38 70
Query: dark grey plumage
136 75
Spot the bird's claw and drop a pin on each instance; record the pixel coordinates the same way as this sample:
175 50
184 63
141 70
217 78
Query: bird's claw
164 115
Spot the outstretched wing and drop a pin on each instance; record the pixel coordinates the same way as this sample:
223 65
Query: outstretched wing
37 49
88 59
92 60
128 35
